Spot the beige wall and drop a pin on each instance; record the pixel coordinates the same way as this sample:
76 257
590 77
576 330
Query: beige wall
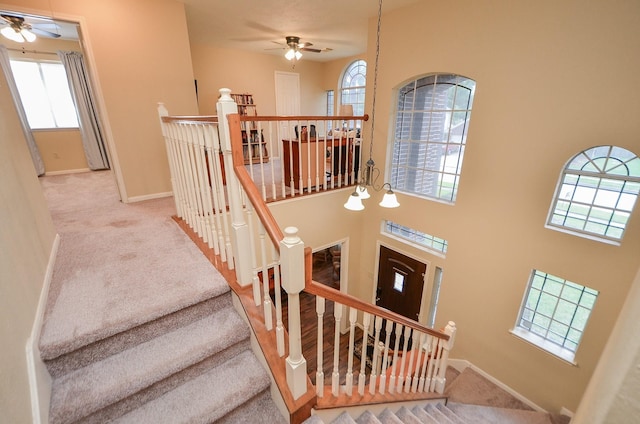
248 72
136 62
545 76
26 240
61 150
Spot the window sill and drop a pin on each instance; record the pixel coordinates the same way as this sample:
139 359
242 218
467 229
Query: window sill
545 345
577 233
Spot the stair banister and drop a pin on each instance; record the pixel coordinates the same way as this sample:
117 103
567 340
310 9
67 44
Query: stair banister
292 260
226 106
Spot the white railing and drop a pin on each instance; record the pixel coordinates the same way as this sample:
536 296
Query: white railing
291 156
404 357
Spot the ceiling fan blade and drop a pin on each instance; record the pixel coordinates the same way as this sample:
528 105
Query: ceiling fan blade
44 33
326 49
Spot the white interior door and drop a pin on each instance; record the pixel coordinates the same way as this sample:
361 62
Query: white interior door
287 101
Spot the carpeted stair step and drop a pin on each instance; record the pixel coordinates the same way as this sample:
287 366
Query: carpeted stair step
407 417
208 397
112 380
423 415
490 415
97 351
259 410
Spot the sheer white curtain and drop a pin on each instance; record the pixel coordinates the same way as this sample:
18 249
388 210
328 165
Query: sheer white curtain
88 117
31 143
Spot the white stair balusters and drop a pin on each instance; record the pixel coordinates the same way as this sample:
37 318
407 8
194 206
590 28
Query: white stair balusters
320 309
353 316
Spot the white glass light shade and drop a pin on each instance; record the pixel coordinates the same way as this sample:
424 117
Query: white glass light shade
389 200
354 203
12 34
289 55
28 35
362 192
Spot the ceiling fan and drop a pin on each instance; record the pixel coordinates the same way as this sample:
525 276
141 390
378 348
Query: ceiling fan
295 47
16 29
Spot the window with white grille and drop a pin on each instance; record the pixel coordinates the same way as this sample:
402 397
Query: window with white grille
596 193
352 86
554 313
415 237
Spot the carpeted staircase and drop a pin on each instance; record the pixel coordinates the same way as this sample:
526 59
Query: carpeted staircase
139 326
472 399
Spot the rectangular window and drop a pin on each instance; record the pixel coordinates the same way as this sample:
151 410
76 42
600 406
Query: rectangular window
330 101
419 239
554 313
44 92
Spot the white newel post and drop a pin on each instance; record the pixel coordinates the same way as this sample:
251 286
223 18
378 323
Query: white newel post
450 329
292 262
240 234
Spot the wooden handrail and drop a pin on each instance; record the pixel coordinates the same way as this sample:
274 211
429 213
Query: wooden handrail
330 293
245 118
203 118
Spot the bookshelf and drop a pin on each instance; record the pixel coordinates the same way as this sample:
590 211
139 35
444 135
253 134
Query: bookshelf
253 144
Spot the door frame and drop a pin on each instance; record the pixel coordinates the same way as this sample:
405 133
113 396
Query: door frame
344 273
424 302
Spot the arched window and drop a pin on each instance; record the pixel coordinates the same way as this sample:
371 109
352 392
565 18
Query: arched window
431 123
352 86
596 193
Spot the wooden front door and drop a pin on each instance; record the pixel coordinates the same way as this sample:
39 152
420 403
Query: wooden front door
400 283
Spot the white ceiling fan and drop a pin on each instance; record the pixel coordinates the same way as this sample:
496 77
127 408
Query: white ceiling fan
18 29
294 48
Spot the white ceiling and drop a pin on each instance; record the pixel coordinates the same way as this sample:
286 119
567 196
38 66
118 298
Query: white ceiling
257 25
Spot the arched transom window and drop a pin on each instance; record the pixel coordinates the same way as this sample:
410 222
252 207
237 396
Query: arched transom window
596 193
352 86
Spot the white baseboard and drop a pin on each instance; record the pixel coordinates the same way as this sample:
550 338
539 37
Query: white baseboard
461 365
149 197
68 171
39 378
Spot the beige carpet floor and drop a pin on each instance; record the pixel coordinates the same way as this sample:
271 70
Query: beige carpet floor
159 271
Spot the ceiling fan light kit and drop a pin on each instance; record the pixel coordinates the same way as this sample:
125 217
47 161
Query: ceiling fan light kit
19 35
18 30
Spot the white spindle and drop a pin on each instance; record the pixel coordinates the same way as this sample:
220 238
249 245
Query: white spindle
220 195
335 376
278 300
416 374
366 320
255 280
374 365
403 362
320 308
266 299
428 349
385 360
392 380
353 316
213 152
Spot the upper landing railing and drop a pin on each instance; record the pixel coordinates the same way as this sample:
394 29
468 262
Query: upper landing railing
221 182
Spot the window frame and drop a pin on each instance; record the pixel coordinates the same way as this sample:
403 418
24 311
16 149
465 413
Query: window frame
545 342
425 248
596 177
52 99
350 74
437 176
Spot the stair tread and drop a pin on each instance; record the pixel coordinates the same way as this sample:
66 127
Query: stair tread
490 414
77 394
407 417
211 395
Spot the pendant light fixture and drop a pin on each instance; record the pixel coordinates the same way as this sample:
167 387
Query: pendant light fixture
371 173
